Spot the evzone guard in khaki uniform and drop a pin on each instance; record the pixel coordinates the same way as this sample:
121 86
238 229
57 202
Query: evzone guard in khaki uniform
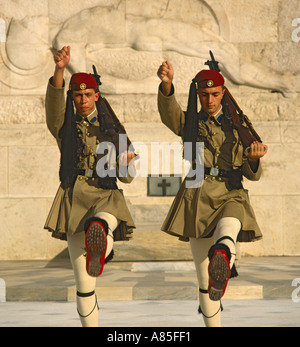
89 211
215 214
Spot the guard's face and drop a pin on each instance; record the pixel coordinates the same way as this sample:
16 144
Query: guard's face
210 99
84 101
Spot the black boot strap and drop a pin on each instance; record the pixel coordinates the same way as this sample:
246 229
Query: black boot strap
86 295
226 238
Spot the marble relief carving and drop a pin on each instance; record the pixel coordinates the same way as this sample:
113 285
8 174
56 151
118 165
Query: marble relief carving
127 42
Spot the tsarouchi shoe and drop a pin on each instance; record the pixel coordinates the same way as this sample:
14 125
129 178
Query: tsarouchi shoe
96 245
218 270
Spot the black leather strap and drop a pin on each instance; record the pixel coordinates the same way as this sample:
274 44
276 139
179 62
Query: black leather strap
85 295
203 291
225 238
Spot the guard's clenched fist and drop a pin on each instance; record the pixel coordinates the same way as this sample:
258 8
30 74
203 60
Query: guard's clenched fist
62 57
166 74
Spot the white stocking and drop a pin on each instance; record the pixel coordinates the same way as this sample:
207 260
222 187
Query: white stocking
227 231
211 311
112 223
228 228
85 284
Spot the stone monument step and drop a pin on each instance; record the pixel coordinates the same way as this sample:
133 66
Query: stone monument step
132 281
149 243
149 290
259 277
2 290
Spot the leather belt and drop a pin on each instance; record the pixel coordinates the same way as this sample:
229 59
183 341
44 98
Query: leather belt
104 183
88 173
215 172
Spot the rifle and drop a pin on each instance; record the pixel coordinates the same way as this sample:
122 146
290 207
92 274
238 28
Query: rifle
109 120
233 112
96 76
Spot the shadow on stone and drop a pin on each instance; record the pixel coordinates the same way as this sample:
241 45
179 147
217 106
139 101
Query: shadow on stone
62 260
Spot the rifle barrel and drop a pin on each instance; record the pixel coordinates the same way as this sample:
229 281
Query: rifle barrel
233 100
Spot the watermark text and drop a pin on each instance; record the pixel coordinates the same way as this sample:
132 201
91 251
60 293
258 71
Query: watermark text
295 296
2 31
296 32
158 158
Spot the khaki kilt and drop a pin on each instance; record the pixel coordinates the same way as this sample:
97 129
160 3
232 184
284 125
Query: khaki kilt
73 206
195 212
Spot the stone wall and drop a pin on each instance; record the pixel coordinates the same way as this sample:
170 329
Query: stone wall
257 46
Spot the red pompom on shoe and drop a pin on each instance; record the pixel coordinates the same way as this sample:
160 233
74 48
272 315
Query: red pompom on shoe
96 245
219 271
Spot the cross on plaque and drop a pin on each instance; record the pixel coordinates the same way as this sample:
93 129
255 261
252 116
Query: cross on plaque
164 186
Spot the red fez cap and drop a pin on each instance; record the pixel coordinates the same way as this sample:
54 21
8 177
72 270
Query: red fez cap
82 81
209 79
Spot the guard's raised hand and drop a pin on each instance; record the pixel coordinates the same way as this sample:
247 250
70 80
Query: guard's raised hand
125 158
62 57
166 74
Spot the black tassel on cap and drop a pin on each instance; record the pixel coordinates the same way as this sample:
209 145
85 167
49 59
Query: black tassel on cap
69 145
191 121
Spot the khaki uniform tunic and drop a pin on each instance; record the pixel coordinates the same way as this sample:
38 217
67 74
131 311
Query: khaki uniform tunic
74 205
195 212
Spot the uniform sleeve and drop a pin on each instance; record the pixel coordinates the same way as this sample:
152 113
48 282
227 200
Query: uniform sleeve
128 176
170 112
249 173
55 109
